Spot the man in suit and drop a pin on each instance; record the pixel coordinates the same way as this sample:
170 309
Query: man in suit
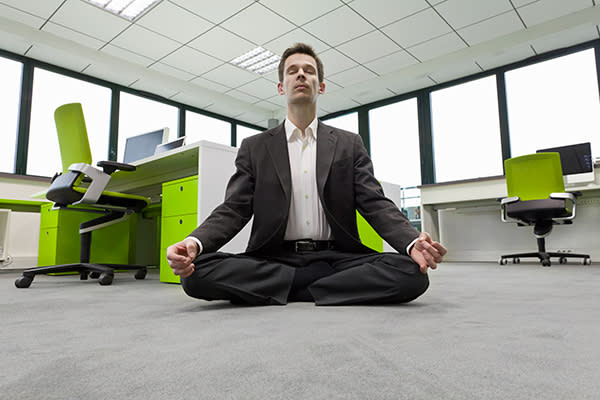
303 182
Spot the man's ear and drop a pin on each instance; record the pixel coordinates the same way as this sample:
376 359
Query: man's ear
321 87
280 89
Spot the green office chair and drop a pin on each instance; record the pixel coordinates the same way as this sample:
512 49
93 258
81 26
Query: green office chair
536 196
80 187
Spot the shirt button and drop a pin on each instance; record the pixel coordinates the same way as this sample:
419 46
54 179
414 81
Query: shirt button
306 196
306 171
307 222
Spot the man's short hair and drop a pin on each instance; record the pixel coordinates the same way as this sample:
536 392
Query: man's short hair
301 48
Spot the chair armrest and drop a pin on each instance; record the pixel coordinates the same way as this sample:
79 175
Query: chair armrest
97 186
503 215
111 166
570 197
507 200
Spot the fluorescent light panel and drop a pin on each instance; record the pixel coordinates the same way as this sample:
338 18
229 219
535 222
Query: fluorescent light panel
258 60
128 9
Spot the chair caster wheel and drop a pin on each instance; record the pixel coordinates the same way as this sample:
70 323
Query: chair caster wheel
140 273
516 260
587 261
94 275
562 260
23 282
502 261
546 263
105 279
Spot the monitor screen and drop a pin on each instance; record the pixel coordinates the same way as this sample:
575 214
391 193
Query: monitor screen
174 144
144 145
574 159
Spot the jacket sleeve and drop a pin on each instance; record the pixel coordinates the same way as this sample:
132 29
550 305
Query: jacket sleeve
379 211
233 214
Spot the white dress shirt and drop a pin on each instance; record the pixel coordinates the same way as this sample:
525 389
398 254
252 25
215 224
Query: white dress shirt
306 218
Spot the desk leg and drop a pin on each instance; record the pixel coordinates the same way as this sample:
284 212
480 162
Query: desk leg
429 219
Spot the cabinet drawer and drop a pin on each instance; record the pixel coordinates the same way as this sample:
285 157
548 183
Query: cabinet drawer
175 229
48 218
47 247
180 197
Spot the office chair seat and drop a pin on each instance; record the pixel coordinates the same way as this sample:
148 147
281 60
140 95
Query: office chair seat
531 211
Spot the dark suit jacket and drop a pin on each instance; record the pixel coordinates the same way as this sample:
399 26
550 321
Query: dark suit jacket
261 186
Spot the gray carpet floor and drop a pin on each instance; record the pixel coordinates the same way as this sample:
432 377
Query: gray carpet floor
482 331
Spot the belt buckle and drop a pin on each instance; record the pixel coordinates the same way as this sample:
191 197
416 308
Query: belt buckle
304 245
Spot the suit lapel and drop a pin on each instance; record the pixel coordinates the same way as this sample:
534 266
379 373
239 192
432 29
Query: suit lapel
278 150
326 142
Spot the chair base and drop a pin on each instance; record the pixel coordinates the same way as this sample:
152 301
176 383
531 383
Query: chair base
104 272
544 257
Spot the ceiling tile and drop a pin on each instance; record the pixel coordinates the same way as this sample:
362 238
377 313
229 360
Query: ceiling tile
145 42
371 95
230 76
57 57
207 8
521 3
123 76
331 86
392 62
383 12
408 85
545 10
455 71
174 22
352 76
278 46
258 24
152 86
260 88
417 28
369 47
268 105
193 99
223 109
236 94
222 44
505 56
174 72
126 55
279 99
336 101
334 62
301 15
191 60
72 35
205 83
338 26
492 28
20 16
76 14
437 47
13 43
42 9
453 11
566 38
253 118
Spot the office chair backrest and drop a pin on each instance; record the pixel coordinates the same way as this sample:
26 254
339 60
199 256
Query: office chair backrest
72 135
534 176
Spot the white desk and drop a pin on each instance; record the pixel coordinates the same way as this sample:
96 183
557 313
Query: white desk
465 217
213 164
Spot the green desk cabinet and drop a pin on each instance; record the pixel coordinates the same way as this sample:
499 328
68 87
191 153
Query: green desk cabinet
178 219
60 241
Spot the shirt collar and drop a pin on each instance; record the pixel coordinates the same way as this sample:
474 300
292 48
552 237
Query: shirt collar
290 128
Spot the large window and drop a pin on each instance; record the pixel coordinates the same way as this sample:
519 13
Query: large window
348 122
394 137
466 131
10 82
200 127
139 115
242 132
554 103
50 91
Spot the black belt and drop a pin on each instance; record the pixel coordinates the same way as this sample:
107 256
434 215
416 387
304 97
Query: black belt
308 245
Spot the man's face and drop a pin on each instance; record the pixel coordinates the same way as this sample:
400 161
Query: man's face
300 80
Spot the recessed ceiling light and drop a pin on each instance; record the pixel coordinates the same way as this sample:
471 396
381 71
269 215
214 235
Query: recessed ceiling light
258 60
128 9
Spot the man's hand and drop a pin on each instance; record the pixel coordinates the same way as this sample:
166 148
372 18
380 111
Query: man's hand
180 257
427 253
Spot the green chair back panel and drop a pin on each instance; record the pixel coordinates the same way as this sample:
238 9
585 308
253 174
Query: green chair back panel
72 135
534 176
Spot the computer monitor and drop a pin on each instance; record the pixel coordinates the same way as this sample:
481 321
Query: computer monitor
576 161
144 145
174 144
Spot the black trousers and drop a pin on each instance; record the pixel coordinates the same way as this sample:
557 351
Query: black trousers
327 277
